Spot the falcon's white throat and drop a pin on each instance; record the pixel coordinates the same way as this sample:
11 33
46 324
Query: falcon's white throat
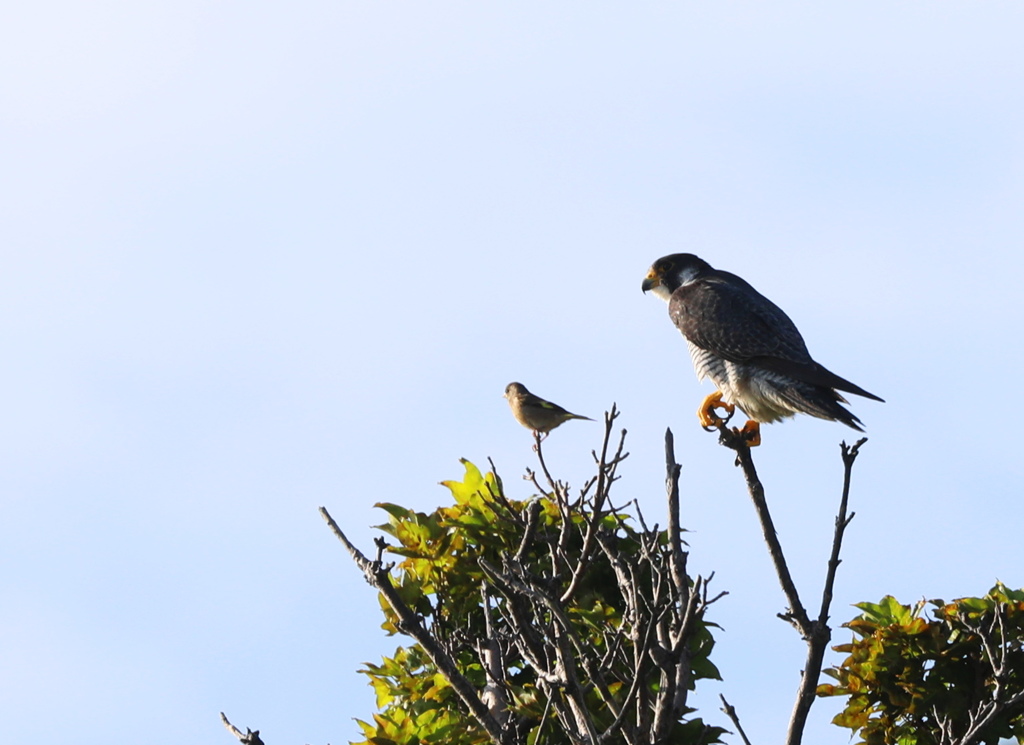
661 291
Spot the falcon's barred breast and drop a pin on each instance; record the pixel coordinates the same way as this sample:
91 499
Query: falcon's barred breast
747 345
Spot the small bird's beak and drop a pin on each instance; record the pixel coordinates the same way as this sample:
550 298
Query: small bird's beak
651 281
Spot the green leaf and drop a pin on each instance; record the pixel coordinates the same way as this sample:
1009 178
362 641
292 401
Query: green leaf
473 484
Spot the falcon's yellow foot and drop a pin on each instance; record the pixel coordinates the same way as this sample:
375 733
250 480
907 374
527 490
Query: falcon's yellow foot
751 432
706 415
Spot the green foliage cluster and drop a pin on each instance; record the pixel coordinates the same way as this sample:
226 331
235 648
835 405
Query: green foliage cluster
957 675
441 578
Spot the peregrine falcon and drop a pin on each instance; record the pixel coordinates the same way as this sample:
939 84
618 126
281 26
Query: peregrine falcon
533 412
747 346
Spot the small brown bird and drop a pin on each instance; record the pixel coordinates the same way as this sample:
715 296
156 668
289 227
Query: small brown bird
533 412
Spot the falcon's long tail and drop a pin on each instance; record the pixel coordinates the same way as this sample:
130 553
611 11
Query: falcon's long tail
813 373
822 402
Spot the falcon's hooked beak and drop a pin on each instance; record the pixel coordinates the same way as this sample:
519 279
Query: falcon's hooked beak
653 283
652 280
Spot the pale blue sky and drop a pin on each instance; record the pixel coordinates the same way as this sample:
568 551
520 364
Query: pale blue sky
260 258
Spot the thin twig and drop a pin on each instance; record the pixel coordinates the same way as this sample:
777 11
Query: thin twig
996 708
821 634
730 711
605 477
842 520
251 737
538 439
497 495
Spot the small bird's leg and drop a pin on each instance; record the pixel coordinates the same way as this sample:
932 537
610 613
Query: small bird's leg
538 438
706 415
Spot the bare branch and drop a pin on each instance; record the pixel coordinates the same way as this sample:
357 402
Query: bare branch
493 663
821 634
796 615
498 496
730 711
564 628
251 737
605 476
410 623
678 556
538 438
532 512
842 520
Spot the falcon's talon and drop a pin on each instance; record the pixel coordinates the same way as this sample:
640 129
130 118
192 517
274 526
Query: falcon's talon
751 433
706 415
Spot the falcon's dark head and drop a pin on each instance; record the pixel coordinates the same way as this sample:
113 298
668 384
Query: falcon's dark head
669 273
